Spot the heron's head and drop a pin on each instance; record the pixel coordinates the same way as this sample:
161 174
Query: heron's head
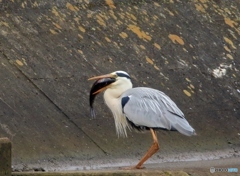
119 81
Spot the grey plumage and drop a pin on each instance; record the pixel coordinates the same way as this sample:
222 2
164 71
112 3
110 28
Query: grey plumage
151 108
141 107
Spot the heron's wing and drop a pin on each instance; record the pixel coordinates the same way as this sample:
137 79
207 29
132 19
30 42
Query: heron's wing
152 108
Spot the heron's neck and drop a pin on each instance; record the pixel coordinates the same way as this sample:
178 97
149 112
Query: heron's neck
117 91
112 94
111 97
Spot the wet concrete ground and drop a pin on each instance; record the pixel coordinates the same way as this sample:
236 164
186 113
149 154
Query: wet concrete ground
192 168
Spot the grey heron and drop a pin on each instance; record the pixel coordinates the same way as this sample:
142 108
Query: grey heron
140 107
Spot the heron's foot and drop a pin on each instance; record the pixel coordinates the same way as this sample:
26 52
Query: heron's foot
132 168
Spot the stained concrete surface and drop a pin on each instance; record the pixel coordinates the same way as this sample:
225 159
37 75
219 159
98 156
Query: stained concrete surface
107 173
48 50
193 168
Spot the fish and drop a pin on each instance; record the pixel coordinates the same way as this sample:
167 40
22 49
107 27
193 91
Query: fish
97 85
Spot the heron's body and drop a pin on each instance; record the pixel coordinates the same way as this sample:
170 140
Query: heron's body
142 108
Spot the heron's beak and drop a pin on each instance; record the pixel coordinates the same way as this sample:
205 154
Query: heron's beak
102 76
102 83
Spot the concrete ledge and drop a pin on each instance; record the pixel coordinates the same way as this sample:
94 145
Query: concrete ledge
106 173
5 157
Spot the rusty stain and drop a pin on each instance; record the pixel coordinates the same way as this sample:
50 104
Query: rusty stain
138 32
135 7
229 42
121 15
99 43
104 16
76 19
184 49
150 61
57 25
205 6
100 20
227 49
147 19
133 17
89 15
4 23
110 60
52 31
156 67
71 7
142 47
200 8
123 35
24 61
115 43
23 4
80 36
107 39
187 93
80 51
170 13
111 12
187 79
81 29
192 86
119 22
157 46
110 3
55 12
176 39
230 22
144 12
35 4
227 10
155 17
19 62
156 4
229 56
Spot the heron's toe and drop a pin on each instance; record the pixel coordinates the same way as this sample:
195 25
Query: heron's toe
139 167
132 168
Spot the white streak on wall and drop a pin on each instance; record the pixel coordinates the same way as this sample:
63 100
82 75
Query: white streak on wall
221 71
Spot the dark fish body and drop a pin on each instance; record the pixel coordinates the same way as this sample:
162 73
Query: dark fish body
98 84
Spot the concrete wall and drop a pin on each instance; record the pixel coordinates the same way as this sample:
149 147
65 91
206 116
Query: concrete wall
48 50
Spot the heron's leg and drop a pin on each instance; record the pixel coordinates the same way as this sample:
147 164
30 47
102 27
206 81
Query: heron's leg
153 149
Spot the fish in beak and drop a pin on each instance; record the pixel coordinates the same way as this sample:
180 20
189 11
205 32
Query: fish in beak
101 84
